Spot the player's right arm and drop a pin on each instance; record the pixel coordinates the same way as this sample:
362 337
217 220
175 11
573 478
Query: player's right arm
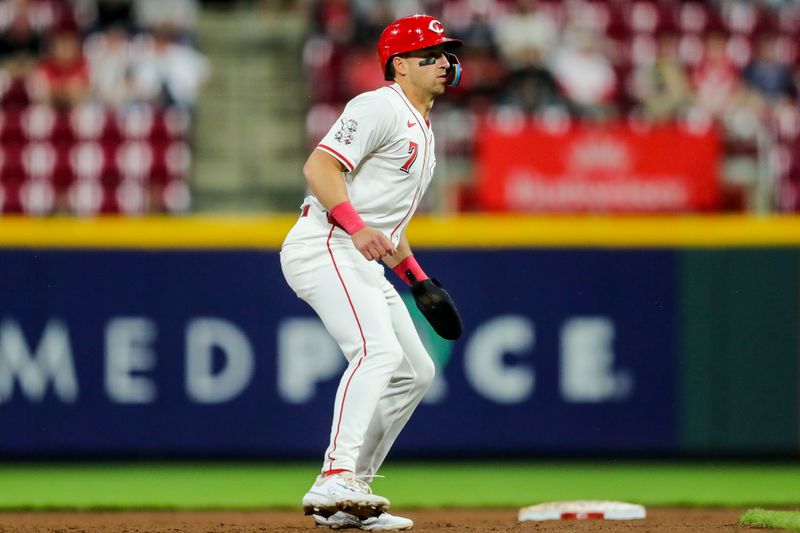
323 173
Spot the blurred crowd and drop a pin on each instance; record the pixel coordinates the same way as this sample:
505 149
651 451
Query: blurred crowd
730 64
96 101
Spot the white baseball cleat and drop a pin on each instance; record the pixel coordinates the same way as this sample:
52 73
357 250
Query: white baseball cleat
382 522
343 492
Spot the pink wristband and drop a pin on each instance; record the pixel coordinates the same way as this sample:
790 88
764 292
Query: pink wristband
347 217
409 263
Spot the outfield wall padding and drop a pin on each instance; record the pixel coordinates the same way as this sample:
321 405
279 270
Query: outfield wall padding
739 350
587 336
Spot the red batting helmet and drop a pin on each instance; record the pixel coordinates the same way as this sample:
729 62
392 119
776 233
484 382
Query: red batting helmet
413 33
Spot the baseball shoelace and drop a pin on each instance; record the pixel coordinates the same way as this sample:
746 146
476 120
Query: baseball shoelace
357 483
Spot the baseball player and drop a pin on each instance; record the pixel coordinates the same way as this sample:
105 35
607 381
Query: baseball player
367 177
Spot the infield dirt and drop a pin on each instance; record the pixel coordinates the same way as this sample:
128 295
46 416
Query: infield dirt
426 521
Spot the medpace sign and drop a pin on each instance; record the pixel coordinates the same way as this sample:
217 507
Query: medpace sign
306 357
209 353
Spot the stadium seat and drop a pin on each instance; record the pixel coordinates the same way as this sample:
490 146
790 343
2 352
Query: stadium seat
85 197
171 161
174 197
39 160
136 122
643 49
134 160
598 16
131 197
87 160
693 17
37 197
739 49
691 49
787 17
787 48
746 18
173 123
643 17
38 122
88 122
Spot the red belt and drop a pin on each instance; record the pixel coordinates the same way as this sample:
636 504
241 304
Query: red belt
331 220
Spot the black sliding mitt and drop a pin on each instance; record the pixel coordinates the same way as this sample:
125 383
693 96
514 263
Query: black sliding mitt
437 306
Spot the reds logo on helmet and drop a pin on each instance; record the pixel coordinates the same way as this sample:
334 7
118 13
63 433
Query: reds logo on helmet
412 33
436 26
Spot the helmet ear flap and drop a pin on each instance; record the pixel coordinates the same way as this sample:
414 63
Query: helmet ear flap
454 71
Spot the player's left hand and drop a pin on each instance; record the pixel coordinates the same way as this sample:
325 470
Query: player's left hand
435 303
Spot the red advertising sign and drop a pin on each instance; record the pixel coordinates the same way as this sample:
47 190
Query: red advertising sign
610 167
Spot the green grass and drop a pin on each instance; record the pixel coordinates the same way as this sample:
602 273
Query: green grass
479 484
772 519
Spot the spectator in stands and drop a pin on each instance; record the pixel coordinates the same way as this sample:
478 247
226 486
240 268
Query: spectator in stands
662 88
372 17
486 79
532 88
479 32
62 77
537 56
487 71
169 72
17 34
334 30
767 73
324 62
112 14
362 75
111 59
179 17
526 34
336 20
585 75
459 13
19 40
715 79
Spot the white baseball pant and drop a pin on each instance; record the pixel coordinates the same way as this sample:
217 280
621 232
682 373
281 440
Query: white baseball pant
389 369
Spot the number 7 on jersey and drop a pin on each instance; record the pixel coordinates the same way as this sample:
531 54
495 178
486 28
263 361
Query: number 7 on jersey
413 149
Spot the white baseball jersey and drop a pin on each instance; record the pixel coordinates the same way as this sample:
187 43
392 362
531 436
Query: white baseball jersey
387 149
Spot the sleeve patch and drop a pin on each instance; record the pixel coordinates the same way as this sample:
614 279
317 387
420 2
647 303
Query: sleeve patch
346 133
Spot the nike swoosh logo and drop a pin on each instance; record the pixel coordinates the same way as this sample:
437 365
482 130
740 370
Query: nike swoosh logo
411 124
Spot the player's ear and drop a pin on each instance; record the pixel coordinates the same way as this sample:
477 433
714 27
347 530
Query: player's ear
400 65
